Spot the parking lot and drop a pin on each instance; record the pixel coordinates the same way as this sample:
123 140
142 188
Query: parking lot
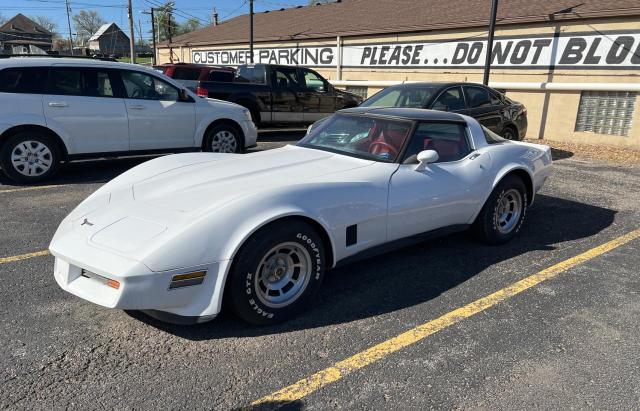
479 337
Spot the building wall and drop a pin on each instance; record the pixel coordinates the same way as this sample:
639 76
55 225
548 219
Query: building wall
552 114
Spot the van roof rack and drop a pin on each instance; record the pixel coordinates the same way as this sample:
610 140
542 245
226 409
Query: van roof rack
6 56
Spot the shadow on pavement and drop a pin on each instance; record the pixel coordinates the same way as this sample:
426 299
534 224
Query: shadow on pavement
275 405
87 171
104 170
413 275
558 154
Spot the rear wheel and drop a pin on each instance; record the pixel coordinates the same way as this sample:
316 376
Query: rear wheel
223 138
510 134
29 157
277 273
503 214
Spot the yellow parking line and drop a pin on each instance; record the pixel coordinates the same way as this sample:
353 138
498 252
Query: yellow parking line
14 258
14 190
343 368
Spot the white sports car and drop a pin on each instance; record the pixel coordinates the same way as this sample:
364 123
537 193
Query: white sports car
176 235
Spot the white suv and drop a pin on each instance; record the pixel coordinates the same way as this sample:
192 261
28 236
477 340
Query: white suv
61 109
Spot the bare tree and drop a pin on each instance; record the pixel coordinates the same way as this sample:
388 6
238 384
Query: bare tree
87 23
3 19
46 22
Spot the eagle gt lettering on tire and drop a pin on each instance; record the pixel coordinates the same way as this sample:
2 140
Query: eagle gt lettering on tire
276 273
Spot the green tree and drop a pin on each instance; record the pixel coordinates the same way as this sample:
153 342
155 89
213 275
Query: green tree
165 20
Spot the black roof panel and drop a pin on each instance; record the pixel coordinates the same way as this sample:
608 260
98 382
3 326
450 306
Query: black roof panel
416 114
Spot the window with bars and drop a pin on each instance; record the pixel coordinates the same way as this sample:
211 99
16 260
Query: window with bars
606 112
359 90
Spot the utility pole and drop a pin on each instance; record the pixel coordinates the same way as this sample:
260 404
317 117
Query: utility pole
153 34
492 29
132 44
169 34
251 31
69 24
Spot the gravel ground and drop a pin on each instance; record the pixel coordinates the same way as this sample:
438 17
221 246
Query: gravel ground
600 153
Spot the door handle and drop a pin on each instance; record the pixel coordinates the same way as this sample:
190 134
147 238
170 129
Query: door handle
58 104
137 107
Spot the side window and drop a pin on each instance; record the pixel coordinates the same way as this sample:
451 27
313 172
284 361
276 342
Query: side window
142 86
186 73
250 74
313 81
65 81
286 77
450 100
449 140
224 76
477 97
96 83
23 80
389 98
491 137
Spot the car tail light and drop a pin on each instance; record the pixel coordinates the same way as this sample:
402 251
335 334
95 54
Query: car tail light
202 92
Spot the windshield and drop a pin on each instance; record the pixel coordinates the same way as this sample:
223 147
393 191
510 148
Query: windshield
407 97
376 138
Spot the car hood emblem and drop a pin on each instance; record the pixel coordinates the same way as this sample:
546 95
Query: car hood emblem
87 222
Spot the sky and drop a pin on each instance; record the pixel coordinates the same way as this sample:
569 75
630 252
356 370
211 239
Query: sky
116 10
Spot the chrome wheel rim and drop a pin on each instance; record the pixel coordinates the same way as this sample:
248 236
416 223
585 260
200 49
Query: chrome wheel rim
283 275
31 158
223 141
508 211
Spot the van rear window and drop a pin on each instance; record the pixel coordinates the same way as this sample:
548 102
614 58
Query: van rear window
23 80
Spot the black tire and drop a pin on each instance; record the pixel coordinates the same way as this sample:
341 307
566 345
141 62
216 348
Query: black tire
247 293
489 225
510 133
46 151
217 139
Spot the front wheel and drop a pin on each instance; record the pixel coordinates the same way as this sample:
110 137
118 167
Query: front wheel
223 138
29 157
277 273
503 214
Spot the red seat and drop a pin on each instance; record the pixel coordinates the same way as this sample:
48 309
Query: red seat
447 150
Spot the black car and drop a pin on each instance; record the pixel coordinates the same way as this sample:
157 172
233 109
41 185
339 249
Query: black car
277 94
490 107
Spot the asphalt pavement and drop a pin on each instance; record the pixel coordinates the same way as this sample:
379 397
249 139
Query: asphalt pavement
570 341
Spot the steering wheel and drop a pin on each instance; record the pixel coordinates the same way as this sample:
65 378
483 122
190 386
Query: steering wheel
373 148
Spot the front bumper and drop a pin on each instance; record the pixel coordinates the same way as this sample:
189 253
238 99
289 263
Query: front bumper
140 288
250 134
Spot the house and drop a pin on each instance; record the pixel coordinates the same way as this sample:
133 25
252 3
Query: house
21 35
110 39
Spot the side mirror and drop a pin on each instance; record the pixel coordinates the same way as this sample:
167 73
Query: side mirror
425 158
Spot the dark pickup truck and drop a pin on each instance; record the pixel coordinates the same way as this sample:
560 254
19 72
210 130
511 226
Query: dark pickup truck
280 94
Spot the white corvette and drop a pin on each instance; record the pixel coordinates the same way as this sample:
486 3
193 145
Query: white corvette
176 235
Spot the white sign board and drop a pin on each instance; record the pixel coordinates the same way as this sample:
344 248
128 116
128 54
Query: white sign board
606 50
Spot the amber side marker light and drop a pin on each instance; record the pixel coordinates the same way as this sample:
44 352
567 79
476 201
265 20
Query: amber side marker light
113 284
185 280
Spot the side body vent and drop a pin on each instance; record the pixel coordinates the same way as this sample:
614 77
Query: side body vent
352 234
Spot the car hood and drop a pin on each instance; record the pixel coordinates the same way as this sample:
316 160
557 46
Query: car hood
211 179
